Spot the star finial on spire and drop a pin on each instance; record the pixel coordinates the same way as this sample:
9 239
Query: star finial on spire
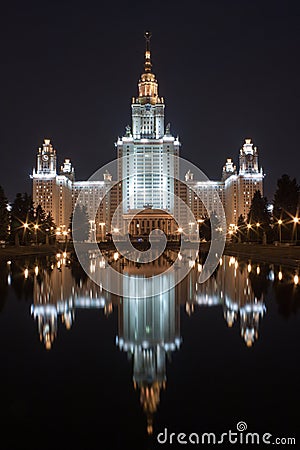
148 64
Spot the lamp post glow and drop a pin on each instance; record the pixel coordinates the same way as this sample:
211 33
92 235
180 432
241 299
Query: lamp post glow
248 230
296 220
279 227
36 227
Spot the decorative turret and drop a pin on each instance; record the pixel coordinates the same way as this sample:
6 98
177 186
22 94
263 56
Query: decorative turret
229 169
248 159
46 159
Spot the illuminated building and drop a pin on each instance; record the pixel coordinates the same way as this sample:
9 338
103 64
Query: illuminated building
148 172
235 190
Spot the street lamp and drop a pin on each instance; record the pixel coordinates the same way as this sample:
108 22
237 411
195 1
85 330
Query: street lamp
296 220
102 225
248 230
36 227
279 228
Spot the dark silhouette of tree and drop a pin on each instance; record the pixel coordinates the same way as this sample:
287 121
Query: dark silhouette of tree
49 229
286 206
22 219
259 218
242 229
4 216
81 231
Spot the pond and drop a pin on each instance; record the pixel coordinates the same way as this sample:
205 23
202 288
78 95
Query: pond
81 366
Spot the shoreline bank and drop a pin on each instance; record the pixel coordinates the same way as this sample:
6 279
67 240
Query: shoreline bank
280 254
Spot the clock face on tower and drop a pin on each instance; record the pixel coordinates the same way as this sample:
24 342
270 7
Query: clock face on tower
45 157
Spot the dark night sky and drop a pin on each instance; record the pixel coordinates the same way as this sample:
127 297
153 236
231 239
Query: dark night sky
227 70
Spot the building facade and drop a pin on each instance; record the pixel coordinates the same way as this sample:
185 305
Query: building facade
148 174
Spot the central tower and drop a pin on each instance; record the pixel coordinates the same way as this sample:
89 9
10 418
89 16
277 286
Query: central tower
147 167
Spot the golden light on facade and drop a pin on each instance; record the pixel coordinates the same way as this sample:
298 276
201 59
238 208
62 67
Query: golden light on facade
36 270
180 230
248 226
26 273
258 270
279 222
25 225
116 256
257 224
280 275
296 279
296 219
116 230
249 268
36 227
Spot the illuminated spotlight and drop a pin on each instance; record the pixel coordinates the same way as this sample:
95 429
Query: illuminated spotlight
296 279
249 268
180 230
26 273
116 230
116 256
36 227
296 219
57 255
64 254
36 270
280 275
258 270
8 263
279 222
25 225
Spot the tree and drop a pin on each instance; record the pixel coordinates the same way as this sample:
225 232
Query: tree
241 228
259 218
286 206
22 215
80 219
4 216
49 228
45 231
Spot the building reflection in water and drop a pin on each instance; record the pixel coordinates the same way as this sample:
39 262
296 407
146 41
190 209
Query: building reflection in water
149 329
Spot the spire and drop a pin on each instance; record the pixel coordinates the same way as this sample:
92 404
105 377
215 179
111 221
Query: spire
148 86
148 64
